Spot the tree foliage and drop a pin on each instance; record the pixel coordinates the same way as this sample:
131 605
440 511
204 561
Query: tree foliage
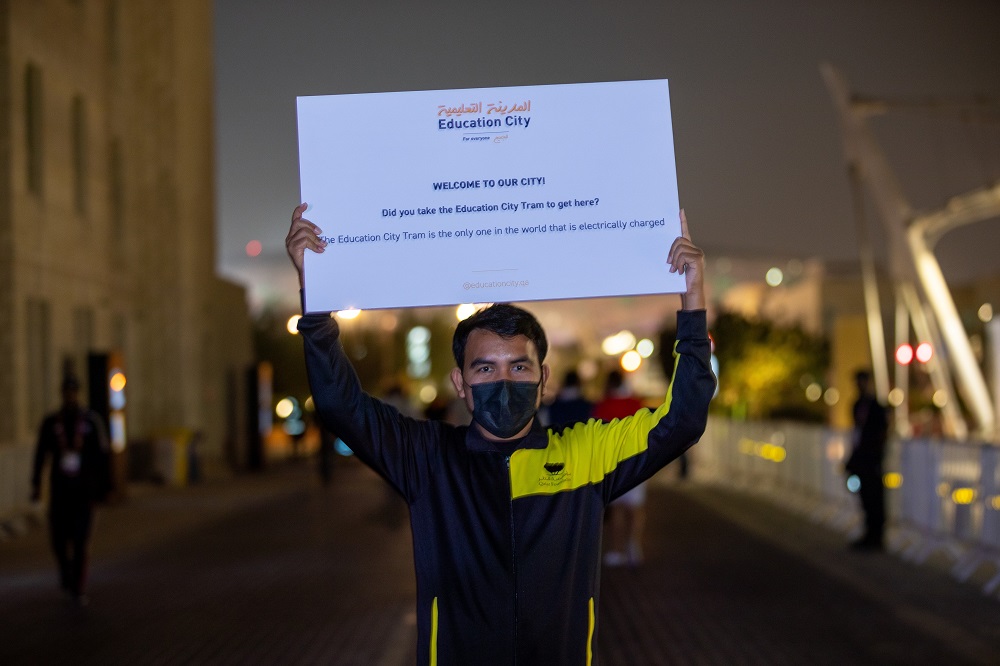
764 368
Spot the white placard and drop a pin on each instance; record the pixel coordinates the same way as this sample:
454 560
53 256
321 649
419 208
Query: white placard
491 194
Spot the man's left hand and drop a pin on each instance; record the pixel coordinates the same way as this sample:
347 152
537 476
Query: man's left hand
688 259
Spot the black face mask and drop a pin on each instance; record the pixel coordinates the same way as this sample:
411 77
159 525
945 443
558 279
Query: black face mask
504 407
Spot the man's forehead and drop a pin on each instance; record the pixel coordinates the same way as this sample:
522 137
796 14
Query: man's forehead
487 345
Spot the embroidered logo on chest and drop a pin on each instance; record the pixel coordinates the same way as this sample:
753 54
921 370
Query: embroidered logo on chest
556 474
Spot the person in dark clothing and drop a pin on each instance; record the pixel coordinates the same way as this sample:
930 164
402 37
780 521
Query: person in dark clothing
74 444
570 406
507 515
871 428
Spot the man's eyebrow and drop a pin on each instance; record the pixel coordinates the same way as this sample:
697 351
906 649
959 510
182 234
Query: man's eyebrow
484 361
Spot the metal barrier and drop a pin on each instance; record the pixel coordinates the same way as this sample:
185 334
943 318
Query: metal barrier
942 497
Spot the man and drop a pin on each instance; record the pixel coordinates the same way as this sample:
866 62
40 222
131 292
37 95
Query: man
74 444
871 428
570 406
506 515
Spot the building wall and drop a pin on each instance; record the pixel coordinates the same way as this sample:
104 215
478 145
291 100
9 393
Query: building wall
112 242
7 421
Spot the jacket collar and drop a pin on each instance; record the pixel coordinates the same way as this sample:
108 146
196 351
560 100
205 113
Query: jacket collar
535 439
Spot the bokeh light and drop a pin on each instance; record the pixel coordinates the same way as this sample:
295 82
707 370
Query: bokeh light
892 480
631 360
284 408
985 313
774 277
117 382
924 352
618 343
427 394
904 354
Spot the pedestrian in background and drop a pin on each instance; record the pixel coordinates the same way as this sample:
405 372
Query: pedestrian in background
74 444
570 406
627 514
871 430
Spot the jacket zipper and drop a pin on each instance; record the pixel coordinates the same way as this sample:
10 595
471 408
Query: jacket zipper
513 554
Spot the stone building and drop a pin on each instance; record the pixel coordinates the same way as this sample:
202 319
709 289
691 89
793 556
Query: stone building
107 234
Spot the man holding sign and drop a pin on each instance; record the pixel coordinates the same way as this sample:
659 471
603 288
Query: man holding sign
506 515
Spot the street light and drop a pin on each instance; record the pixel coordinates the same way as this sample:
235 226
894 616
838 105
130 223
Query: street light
924 352
904 354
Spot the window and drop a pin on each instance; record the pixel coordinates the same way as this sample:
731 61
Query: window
33 126
83 335
38 334
114 47
79 133
116 194
119 333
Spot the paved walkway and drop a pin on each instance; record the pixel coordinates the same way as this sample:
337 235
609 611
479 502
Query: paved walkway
275 569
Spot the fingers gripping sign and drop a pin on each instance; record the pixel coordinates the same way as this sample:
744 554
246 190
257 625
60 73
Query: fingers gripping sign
688 259
301 235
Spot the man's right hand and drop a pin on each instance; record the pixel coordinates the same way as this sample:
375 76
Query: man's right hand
302 234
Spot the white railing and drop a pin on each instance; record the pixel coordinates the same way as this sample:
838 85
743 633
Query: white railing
941 496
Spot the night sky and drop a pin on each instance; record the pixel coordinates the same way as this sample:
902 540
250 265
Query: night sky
758 150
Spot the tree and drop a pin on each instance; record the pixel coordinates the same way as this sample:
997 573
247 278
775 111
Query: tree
764 368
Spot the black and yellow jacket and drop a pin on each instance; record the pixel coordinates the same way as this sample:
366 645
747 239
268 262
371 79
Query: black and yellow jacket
507 538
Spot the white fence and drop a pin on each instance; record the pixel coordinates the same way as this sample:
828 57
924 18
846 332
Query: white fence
941 497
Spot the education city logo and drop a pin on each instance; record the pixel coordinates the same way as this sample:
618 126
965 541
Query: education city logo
493 125
555 474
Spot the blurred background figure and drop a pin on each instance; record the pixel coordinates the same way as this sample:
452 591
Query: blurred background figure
627 514
73 443
327 455
570 406
871 429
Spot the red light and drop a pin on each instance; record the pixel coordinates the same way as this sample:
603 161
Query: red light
924 352
904 354
253 248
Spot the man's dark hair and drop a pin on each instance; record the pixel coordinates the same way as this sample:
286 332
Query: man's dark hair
505 320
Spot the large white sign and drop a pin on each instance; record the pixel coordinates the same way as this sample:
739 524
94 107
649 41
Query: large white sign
485 195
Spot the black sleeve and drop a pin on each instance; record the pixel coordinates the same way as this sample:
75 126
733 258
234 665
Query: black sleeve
680 421
394 445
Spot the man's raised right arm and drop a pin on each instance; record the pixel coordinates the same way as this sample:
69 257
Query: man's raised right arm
375 431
